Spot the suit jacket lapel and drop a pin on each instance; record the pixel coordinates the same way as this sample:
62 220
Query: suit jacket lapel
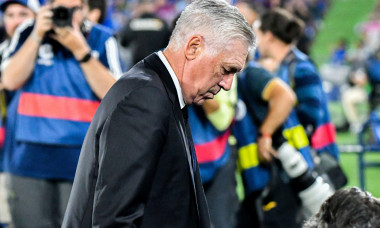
156 64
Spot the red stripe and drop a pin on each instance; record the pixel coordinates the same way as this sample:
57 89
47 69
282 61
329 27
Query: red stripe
2 136
212 151
323 136
48 106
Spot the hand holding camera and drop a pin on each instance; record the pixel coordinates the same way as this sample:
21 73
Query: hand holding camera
265 149
49 18
72 39
65 26
43 22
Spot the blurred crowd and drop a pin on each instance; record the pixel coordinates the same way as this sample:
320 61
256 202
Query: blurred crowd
351 74
310 11
266 148
117 13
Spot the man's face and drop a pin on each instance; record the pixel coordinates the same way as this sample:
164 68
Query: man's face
78 14
207 74
14 15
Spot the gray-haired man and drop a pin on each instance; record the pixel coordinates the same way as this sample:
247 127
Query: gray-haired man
138 166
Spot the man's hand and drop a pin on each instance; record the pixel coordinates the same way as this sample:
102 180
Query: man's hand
265 149
72 39
44 22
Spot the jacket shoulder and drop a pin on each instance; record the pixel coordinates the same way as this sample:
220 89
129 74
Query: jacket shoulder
138 76
135 79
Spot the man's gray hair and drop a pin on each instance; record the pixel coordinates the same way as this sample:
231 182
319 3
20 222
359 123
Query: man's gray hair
216 21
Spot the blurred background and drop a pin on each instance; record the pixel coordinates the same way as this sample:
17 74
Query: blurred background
352 22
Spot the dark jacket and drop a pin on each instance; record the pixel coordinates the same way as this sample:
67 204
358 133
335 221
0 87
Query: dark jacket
135 167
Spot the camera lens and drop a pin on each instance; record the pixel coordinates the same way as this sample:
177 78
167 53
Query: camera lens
62 16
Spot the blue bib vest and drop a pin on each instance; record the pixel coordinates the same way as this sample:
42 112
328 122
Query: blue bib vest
49 116
211 145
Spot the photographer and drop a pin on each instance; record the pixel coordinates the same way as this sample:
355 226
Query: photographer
274 154
58 67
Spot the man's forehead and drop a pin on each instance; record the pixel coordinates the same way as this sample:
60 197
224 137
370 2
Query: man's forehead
68 3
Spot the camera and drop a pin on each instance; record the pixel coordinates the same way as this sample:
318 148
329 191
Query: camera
312 189
62 16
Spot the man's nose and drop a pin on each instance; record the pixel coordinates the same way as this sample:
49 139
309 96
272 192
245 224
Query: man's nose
226 82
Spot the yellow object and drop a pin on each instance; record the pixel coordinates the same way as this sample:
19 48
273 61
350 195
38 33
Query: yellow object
3 105
248 156
296 136
270 206
222 118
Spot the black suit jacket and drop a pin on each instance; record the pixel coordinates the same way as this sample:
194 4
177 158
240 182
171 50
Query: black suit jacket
135 167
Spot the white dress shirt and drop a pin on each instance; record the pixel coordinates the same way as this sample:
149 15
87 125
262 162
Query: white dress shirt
174 78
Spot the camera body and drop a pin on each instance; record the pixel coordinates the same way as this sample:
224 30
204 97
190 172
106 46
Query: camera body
62 16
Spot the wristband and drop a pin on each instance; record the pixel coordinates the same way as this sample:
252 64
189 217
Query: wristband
85 58
259 135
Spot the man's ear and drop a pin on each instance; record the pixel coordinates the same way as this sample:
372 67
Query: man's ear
194 47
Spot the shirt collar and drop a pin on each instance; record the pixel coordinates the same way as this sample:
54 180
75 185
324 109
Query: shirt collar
174 78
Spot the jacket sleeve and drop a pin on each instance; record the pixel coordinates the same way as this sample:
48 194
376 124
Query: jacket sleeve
129 148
